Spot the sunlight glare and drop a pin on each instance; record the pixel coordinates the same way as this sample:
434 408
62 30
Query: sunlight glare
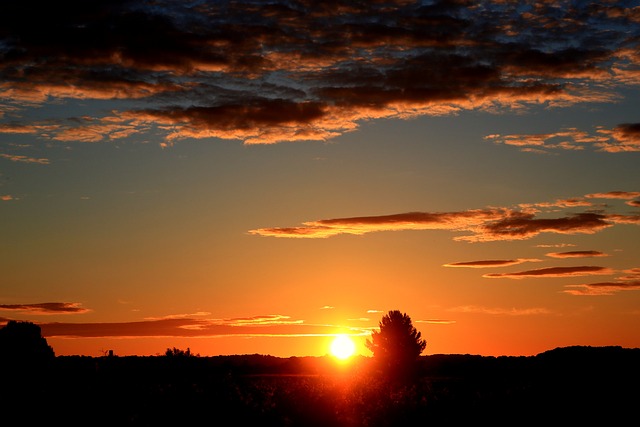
342 347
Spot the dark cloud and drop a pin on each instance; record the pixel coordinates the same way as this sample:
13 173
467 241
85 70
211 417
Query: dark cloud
554 272
294 70
525 225
46 308
576 254
272 325
482 225
602 288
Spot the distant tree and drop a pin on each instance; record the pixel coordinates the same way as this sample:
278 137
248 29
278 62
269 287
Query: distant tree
397 345
22 343
176 352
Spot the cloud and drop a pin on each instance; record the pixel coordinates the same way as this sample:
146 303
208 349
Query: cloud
501 311
255 326
46 308
437 321
24 159
559 245
554 272
290 71
622 138
602 288
480 225
631 274
271 319
614 195
6 197
576 254
490 263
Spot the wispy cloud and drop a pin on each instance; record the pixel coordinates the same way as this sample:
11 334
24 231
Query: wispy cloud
490 263
436 321
255 326
554 272
558 245
501 311
602 288
45 308
631 274
304 70
481 225
576 254
24 159
622 138
614 195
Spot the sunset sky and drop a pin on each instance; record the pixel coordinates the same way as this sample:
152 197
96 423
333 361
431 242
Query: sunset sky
240 177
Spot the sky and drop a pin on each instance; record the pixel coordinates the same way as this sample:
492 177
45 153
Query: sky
249 177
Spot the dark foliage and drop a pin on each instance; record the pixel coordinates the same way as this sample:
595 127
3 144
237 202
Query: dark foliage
570 386
22 343
397 344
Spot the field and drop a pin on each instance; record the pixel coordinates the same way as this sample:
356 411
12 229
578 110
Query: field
568 385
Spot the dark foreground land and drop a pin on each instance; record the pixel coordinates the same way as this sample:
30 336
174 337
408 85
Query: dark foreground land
566 386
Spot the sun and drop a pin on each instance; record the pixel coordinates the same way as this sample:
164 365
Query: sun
342 347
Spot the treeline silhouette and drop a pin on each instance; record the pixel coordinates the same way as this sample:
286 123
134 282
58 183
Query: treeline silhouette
570 385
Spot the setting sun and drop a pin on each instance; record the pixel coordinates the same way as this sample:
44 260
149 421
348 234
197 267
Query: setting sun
342 347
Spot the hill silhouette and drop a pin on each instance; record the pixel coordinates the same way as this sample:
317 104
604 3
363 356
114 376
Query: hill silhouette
569 385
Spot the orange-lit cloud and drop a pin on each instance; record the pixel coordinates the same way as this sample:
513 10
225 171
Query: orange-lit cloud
554 272
259 326
559 245
46 308
602 288
436 321
624 137
576 254
309 70
631 274
24 159
271 319
614 195
490 263
481 225
501 311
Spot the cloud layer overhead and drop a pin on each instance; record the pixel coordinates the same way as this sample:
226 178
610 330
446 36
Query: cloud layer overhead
303 70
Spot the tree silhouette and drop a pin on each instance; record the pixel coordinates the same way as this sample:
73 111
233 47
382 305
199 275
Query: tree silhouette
176 352
397 345
22 342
